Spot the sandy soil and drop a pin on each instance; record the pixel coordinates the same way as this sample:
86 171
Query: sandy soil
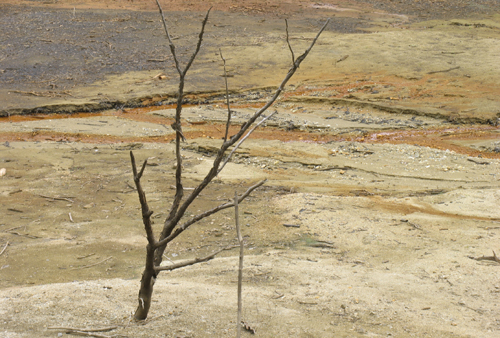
383 170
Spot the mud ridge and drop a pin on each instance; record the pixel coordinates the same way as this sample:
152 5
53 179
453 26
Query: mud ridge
195 97
391 109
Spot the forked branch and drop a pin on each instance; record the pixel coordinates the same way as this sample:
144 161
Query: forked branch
172 46
288 42
291 72
192 261
176 126
172 222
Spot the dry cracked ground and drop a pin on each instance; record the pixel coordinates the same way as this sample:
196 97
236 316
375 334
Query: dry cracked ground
380 215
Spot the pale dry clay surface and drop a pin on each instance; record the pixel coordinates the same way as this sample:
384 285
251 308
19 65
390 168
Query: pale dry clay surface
394 259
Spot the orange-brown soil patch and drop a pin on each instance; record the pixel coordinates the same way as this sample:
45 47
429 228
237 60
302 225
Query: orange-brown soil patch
438 138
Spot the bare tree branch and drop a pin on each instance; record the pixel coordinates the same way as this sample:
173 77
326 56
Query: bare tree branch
192 261
58 198
169 223
291 72
227 98
100 329
301 58
288 42
198 45
94 334
142 169
171 44
199 217
172 228
220 154
243 140
146 213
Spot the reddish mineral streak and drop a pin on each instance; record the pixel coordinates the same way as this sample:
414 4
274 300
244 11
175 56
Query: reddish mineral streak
438 138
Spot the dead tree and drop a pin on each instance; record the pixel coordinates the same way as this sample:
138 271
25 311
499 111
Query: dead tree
175 223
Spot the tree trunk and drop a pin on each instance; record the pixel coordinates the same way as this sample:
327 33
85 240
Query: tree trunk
147 283
158 256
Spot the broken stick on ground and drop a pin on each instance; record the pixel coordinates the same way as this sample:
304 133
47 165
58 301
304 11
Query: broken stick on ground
4 248
493 258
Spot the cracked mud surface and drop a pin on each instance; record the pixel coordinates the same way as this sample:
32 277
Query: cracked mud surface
383 168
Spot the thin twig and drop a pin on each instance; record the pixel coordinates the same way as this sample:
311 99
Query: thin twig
343 58
58 198
172 218
478 161
443 71
14 228
99 329
157 60
88 332
4 248
93 334
91 265
240 266
200 40
15 210
25 235
86 256
227 97
171 44
243 140
288 42
191 261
